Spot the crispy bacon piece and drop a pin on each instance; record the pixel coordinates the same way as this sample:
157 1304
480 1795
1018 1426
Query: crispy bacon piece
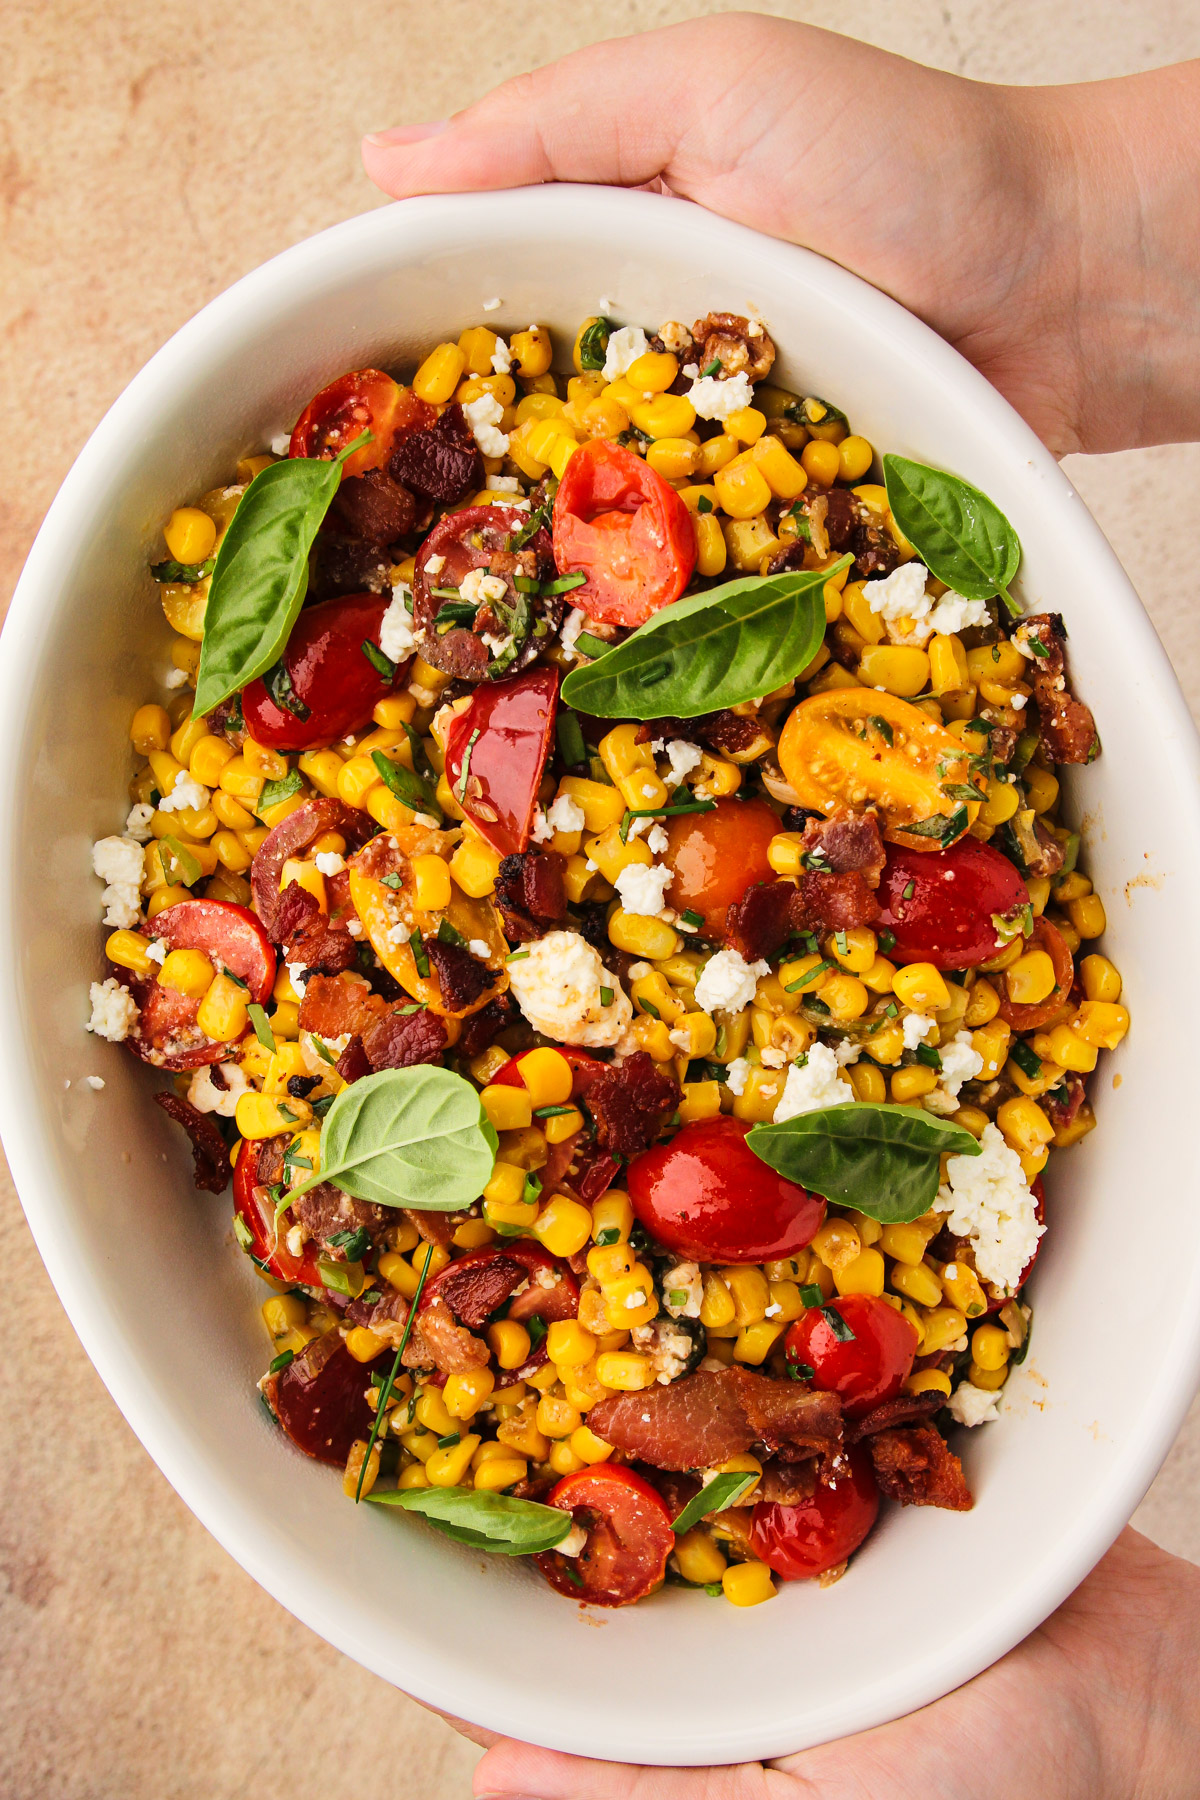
473 1291
443 461
320 1399
226 721
374 508
434 1227
628 1101
740 345
787 1484
331 1007
325 1212
352 1064
761 921
709 1416
384 1310
1067 727
914 1466
833 902
438 1338
309 937
838 521
1061 1109
738 735
902 1409
529 893
479 1029
209 1151
402 1039
461 976
291 837
849 844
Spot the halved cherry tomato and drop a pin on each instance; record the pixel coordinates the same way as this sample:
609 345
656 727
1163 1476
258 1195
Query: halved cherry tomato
1045 937
870 1368
805 1540
559 1300
942 909
630 534
855 747
584 1069
629 1537
233 939
331 687
268 1236
706 1195
716 856
478 537
496 750
320 1399
363 400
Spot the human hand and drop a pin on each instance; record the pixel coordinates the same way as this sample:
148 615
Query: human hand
1100 1703
1051 234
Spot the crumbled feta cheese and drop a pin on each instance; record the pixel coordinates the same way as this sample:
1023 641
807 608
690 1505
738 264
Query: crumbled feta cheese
815 1082
675 337
114 1010
682 756
175 678
484 416
354 927
953 612
772 1059
502 484
989 1202
298 975
572 625
736 1075
727 982
576 1539
657 840
281 443
960 1062
716 396
137 825
501 358
683 1290
635 1299
118 863
492 305
479 585
187 791
1018 702
908 612
156 950
295 1240
207 1097
624 348
434 565
557 986
95 1082
396 638
477 947
638 971
915 1028
846 1053
330 862
668 1346
642 886
542 830
424 696
566 814
970 1405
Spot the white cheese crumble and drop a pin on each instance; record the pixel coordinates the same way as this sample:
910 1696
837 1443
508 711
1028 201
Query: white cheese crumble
557 985
716 397
954 612
330 862
572 625
298 975
576 1539
542 830
95 1082
501 358
642 887
156 950
908 612
118 863
434 565
847 1053
675 337
737 1074
727 982
396 638
970 1405
114 1010
281 443
667 1345
1018 702
477 947
137 825
624 348
683 1290
657 840
502 484
771 1058
207 1097
492 305
916 1028
960 1062
484 416
187 791
682 756
175 678
478 585
989 1202
566 814
817 1081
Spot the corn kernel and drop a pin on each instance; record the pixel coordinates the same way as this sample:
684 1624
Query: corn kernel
464 1394
602 805
1024 1124
1087 915
921 986
189 535
961 1287
437 377
259 1115
1030 980
1101 980
642 936
943 1326
916 1281
1100 1022
624 1370
928 1381
909 1084
748 1584
865 1275
562 1226
906 1243
448 1468
187 972
507 1108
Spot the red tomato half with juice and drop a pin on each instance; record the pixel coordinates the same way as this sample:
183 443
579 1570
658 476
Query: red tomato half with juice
862 1370
496 750
806 1540
707 1196
363 400
621 525
268 1236
331 686
941 906
629 1537
232 938
716 856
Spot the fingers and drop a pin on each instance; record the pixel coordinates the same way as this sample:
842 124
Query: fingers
522 1772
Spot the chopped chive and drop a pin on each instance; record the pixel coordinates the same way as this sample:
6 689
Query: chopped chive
281 1361
929 1056
419 956
704 504
378 661
587 645
811 1295
407 786
692 918
841 1331
386 1391
714 368
552 1112
571 746
451 1438
516 956
804 981
609 1235
887 940
262 1026
910 889
606 994
565 583
460 790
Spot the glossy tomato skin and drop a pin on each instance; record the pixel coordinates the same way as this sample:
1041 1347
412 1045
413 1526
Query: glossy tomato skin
947 917
707 1196
561 1301
716 856
629 1537
231 937
626 529
508 729
801 1541
267 1243
1047 937
866 1371
330 675
320 1399
362 400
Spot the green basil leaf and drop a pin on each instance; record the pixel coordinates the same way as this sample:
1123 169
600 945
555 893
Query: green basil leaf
495 1522
733 643
961 536
882 1160
187 573
413 1137
261 572
275 792
593 343
714 1496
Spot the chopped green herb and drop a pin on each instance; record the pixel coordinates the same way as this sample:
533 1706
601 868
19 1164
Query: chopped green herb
609 1235
1037 646
262 1027
811 1295
276 792
714 368
704 504
378 661
460 789
356 1244
944 829
552 1112
840 1329
281 1361
451 1438
393 881
910 889
925 1053
179 864
278 684
536 1327
447 934
843 948
574 1577
516 956
663 812
1026 1058
242 1232
593 344
571 746
386 1391
565 583
407 786
648 1007
189 573
677 1297
588 645
812 975
799 1371
421 762
606 996
883 728
691 918
417 947
887 940
532 1189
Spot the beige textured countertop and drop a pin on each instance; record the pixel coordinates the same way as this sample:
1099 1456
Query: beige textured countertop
150 153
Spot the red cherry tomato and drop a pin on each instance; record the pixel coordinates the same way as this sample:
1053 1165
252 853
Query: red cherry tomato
477 537
503 737
717 855
939 905
320 1399
364 400
336 687
232 938
705 1195
268 1242
584 1068
866 1371
629 1537
800 1541
631 534
559 1301
1045 937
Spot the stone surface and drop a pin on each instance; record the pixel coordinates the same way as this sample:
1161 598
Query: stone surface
149 155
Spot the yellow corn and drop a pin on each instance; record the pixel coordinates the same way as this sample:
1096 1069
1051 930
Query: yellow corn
1101 980
464 1394
507 1108
1068 1049
602 805
149 729
906 1243
865 1275
563 1226
1030 980
928 1381
921 986
1087 915
943 1326
189 535
448 1468
716 1305
991 1042
437 377
961 1286
910 1084
625 1370
916 1281
641 936
1100 1022
666 416
187 972
431 883
130 950
748 1584
1024 1124
259 1116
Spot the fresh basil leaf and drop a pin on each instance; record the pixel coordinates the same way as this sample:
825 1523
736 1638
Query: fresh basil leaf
188 573
714 1496
942 826
407 786
278 684
712 650
275 792
593 343
420 756
261 572
961 536
414 1137
882 1160
484 1521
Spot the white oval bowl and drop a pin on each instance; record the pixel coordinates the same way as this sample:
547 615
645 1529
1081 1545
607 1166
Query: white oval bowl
167 1310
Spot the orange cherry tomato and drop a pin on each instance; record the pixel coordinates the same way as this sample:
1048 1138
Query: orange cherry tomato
717 855
364 400
1044 936
619 522
855 747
